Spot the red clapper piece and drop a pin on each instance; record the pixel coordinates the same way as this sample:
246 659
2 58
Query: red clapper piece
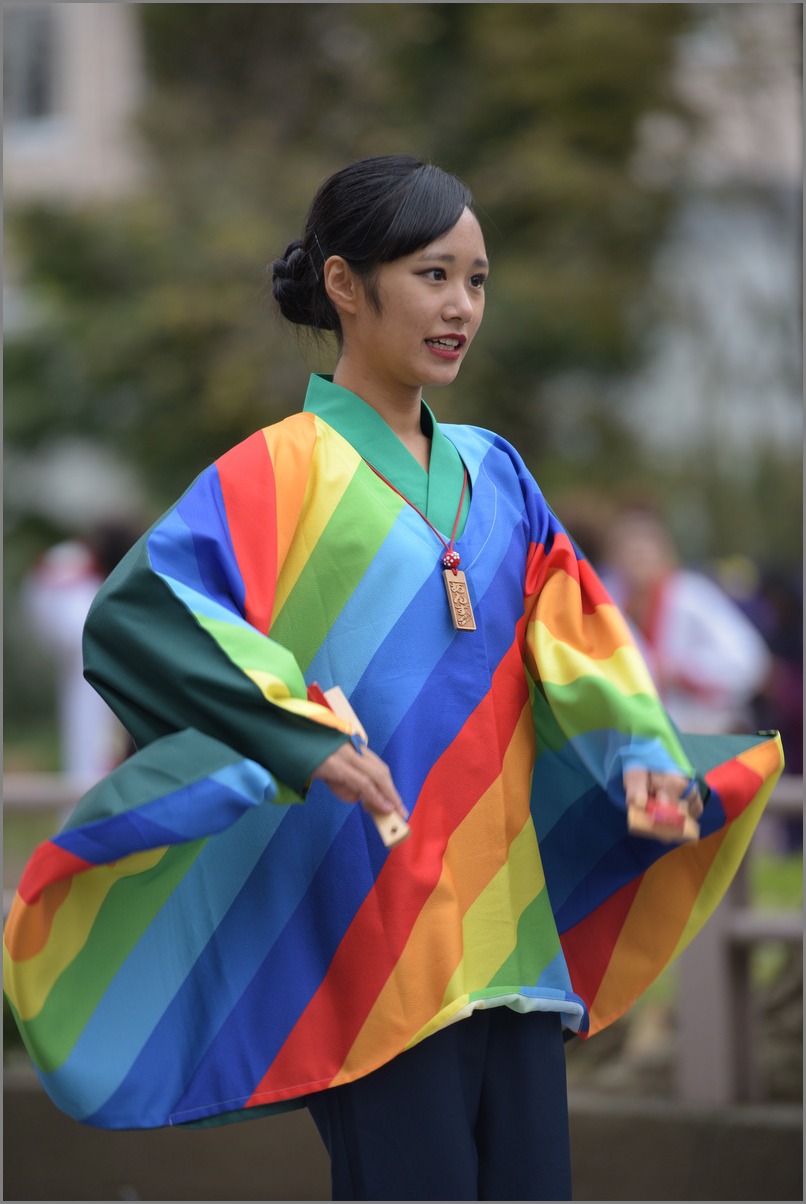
667 822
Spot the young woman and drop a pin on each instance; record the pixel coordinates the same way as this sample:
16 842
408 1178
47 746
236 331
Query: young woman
254 943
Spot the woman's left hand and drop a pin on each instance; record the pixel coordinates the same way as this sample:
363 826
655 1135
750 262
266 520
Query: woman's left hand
640 784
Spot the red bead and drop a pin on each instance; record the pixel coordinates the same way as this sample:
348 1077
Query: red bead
451 560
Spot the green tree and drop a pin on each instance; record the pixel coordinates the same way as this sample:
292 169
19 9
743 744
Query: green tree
158 336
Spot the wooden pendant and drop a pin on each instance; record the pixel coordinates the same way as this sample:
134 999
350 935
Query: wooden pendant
459 600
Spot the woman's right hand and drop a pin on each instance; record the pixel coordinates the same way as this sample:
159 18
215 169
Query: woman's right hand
361 778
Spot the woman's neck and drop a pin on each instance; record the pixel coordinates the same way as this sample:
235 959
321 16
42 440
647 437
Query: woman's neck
400 409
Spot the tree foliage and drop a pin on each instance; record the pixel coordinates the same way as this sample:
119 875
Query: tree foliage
158 335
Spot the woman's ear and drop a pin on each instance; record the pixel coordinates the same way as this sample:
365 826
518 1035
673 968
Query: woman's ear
341 284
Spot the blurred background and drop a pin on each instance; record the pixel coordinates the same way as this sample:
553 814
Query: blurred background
637 170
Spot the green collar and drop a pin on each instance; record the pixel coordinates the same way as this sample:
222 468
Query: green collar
436 492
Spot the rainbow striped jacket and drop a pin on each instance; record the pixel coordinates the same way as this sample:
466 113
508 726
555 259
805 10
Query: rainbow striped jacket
210 937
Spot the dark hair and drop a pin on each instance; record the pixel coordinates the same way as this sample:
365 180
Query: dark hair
370 213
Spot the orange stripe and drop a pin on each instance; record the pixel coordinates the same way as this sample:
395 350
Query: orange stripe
28 926
599 634
767 759
562 558
291 445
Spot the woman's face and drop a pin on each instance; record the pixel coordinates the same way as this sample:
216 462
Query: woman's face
432 303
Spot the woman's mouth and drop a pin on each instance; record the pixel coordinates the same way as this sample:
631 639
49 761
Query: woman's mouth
448 346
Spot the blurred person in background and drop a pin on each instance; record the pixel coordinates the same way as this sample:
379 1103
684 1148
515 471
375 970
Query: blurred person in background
776 607
57 594
777 610
708 660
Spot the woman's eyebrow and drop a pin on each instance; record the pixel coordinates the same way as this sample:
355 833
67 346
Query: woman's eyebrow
448 258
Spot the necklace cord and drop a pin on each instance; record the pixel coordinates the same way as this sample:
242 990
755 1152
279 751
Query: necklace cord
448 547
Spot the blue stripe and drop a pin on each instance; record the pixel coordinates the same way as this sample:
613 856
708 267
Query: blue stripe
199 809
160 961
200 604
207 563
275 867
369 616
293 969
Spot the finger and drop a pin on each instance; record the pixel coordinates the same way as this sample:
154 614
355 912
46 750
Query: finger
363 778
382 796
668 787
691 795
341 772
381 780
636 787
672 787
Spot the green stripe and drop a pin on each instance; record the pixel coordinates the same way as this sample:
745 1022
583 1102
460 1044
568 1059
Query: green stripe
247 647
130 906
347 547
591 704
537 945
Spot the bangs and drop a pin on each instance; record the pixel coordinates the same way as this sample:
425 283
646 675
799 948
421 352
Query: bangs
427 204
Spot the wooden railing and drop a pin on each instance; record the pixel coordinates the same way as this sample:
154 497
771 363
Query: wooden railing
718 1026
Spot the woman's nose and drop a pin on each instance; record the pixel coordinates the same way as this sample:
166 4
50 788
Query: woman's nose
459 304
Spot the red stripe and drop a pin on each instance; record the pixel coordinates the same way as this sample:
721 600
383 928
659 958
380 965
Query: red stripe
736 784
589 945
247 484
370 949
563 558
593 591
48 864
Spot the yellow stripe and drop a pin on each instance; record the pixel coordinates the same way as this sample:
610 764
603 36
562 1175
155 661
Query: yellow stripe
276 691
327 484
490 925
270 685
29 983
562 664
443 1018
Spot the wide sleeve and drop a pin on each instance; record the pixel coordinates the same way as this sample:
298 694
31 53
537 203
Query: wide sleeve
582 657
624 906
178 636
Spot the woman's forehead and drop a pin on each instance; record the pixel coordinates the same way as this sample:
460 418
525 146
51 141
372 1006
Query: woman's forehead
465 238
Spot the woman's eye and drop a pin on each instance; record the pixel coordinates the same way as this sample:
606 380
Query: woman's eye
435 273
478 281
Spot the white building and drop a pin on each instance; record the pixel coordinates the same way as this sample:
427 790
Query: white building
724 370
72 79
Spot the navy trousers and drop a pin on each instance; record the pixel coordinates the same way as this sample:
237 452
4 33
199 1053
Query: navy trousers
478 1111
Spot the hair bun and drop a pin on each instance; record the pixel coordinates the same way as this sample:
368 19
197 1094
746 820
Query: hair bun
290 265
297 289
